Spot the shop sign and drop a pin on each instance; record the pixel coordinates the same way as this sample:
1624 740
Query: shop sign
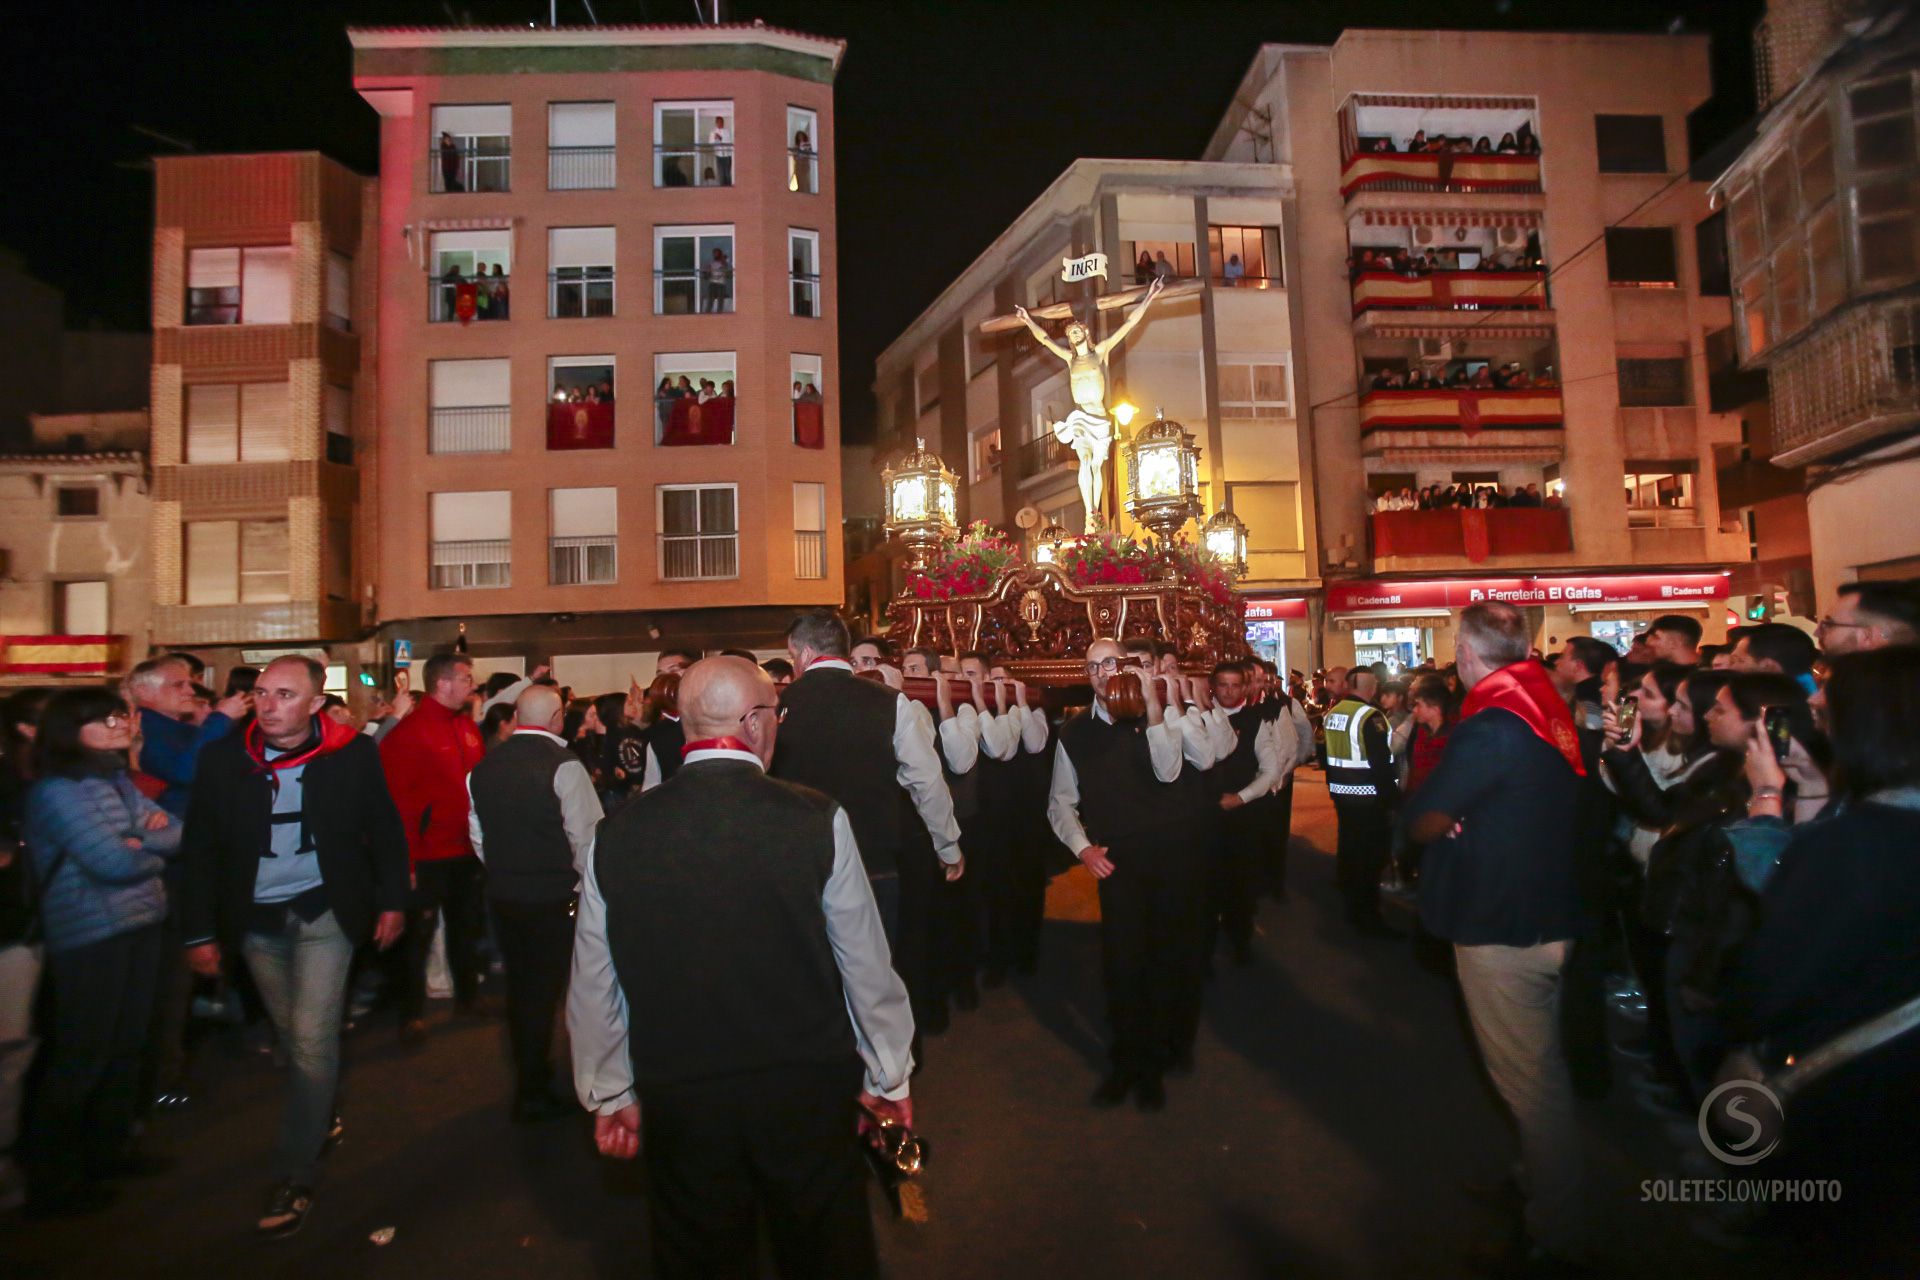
1458 593
1276 609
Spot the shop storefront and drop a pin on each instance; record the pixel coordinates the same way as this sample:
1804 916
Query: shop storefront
1405 623
1277 627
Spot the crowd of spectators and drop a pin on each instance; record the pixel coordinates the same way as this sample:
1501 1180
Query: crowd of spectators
1422 262
1481 376
1441 497
1520 142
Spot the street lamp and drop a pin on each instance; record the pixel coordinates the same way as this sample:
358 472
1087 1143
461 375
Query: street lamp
1226 541
1124 413
1163 487
920 498
1048 548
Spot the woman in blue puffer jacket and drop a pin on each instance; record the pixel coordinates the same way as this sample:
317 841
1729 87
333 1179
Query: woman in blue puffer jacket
97 848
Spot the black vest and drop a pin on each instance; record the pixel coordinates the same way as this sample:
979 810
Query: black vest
838 738
1123 803
667 739
523 831
712 883
1242 765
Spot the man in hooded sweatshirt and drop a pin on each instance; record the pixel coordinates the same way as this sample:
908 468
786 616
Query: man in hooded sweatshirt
295 855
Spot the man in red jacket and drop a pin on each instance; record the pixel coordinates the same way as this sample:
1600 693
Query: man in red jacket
427 757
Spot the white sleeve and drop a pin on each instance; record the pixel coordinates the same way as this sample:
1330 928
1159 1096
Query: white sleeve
473 823
918 770
1195 738
1220 733
876 998
960 739
597 1008
651 778
1268 755
580 809
1033 733
509 695
1302 730
1063 804
1165 743
1000 734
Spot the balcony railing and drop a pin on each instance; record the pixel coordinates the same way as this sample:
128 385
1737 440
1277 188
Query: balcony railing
580 292
696 165
689 292
1687 517
579 168
1473 533
803 171
466 299
476 165
1854 379
586 561
1471 411
809 554
478 428
806 293
688 557
1454 171
456 566
1450 291
1037 456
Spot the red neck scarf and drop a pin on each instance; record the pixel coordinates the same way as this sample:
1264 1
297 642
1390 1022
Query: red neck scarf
332 736
1525 689
728 743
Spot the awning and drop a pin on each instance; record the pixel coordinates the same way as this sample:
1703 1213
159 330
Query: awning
1526 220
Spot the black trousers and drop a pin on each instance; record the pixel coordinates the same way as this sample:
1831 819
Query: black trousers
82 1117
1235 880
779 1143
536 945
1278 825
453 886
1150 956
163 1066
1366 838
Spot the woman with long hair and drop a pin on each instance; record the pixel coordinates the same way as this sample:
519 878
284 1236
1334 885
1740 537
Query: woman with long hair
19 942
97 848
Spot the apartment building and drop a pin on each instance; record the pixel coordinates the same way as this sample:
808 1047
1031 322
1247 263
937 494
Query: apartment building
74 572
1219 361
1822 212
263 275
607 325
1526 312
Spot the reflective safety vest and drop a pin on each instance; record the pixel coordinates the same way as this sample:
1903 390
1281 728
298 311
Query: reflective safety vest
1348 775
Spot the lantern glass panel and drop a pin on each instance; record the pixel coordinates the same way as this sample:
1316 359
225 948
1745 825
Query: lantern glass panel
1157 472
948 499
909 498
1223 545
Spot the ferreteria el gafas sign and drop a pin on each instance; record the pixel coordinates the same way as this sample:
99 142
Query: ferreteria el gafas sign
1458 593
1094 264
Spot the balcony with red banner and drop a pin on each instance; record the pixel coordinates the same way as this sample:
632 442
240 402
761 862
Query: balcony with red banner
1464 172
1520 424
686 420
580 424
1479 291
1473 534
810 420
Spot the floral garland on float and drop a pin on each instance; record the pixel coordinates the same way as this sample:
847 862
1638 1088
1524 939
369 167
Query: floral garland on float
974 562
967 566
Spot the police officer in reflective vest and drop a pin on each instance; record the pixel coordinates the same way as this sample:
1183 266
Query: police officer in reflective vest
1365 790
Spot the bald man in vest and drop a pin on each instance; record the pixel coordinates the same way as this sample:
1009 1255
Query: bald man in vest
733 992
532 817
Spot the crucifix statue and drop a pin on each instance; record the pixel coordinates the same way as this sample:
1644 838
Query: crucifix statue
1088 428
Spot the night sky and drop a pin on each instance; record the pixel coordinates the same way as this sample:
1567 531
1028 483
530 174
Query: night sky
952 116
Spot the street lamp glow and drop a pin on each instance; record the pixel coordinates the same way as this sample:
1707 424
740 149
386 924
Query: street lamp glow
1124 413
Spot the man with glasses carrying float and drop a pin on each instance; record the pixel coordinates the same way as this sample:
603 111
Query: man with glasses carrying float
1114 804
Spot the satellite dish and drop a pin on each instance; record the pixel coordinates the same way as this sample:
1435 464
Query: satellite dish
1027 517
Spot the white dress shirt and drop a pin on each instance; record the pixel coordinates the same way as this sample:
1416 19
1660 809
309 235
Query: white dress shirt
959 737
917 768
1266 753
1220 732
1196 737
1063 802
1033 729
651 778
579 804
875 997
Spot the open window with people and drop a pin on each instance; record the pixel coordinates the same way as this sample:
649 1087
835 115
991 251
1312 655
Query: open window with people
803 152
693 144
472 149
694 398
693 270
471 274
580 410
809 404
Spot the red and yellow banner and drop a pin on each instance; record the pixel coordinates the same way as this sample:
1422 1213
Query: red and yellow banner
1449 289
1441 170
1471 411
60 655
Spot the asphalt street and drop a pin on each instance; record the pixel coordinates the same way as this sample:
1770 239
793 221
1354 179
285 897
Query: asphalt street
1332 1128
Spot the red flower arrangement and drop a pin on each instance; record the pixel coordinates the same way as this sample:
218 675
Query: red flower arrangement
966 567
1111 559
